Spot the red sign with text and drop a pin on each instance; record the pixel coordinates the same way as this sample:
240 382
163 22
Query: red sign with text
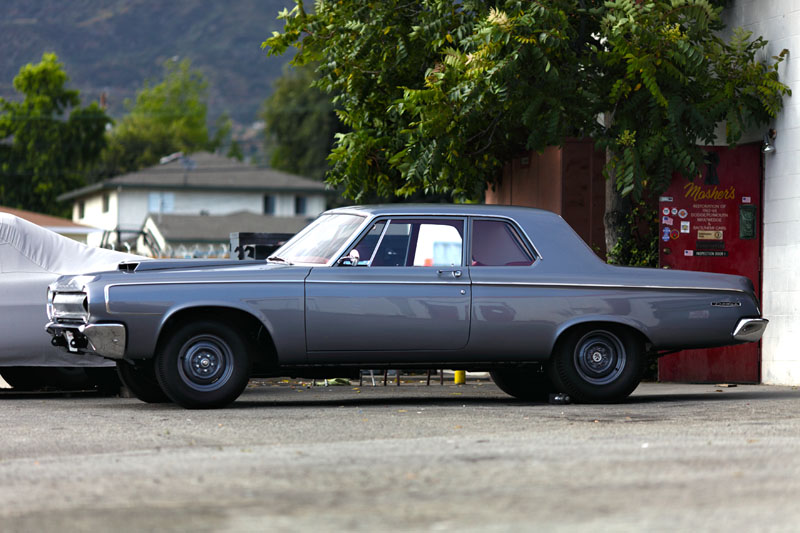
713 224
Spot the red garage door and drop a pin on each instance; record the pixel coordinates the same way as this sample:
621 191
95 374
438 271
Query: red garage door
713 224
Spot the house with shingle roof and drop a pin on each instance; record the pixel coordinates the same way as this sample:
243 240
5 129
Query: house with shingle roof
208 235
201 184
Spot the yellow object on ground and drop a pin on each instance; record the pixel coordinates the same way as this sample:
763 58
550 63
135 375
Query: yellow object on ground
460 377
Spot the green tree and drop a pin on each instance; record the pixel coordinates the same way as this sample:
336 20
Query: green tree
300 124
440 94
47 140
667 80
166 117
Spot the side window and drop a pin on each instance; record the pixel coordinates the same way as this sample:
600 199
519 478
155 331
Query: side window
421 242
366 246
496 243
438 245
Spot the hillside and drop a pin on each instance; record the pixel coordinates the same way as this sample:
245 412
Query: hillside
112 46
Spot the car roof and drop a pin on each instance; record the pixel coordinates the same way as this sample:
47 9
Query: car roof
443 209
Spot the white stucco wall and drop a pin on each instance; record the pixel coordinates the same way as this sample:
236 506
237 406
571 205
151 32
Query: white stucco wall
778 21
93 214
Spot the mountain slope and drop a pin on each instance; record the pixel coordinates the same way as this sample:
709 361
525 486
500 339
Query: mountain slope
112 46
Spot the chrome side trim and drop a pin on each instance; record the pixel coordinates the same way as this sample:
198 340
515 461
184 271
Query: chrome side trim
600 286
750 329
387 282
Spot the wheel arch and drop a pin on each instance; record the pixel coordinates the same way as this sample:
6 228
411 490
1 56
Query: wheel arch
630 326
256 331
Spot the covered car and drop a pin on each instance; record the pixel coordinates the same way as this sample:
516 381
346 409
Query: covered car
32 257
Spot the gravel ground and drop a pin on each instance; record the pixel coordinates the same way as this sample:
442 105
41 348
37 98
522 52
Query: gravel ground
286 457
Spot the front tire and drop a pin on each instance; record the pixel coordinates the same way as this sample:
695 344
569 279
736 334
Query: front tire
527 384
203 365
140 378
598 363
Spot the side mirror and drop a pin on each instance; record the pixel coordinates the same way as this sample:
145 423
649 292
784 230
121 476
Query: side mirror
350 259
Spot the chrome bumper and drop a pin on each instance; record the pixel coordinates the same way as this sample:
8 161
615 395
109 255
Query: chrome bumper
750 329
105 340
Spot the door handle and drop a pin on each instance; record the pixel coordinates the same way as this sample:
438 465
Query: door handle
455 273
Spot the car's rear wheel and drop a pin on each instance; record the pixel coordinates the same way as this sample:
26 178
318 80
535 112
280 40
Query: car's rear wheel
528 384
203 365
598 363
140 378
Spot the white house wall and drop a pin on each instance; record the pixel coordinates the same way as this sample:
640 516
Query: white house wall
128 208
778 21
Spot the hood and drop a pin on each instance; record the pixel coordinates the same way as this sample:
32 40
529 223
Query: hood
186 264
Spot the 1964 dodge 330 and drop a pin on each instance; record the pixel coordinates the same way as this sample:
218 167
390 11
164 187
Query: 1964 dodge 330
506 289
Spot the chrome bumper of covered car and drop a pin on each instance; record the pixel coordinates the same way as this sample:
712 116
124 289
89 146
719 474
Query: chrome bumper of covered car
750 329
105 340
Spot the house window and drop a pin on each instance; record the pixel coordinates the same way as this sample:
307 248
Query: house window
299 205
105 203
161 202
269 204
81 209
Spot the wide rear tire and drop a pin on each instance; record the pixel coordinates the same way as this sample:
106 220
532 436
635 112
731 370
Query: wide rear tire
598 363
203 365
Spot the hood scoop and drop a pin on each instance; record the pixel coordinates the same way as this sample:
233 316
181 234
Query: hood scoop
128 266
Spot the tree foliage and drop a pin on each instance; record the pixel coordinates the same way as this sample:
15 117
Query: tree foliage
439 94
47 140
669 80
300 124
167 116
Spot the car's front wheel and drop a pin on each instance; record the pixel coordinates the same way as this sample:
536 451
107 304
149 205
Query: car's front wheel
598 363
203 365
528 384
140 378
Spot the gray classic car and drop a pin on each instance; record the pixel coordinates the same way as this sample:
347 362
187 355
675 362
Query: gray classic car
506 289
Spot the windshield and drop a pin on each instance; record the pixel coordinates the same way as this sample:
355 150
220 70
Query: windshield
318 242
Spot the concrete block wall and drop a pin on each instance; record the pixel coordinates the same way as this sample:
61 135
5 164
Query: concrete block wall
778 21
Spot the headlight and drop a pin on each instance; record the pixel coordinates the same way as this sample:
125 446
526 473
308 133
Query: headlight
69 306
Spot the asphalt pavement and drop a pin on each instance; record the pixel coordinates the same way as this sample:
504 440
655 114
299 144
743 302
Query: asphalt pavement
287 457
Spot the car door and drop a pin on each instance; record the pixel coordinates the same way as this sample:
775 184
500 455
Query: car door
510 314
406 291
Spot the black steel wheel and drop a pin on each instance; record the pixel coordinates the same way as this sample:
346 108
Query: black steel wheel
527 384
598 363
203 365
139 377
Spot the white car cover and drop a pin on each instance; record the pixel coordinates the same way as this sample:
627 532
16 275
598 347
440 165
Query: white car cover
32 257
